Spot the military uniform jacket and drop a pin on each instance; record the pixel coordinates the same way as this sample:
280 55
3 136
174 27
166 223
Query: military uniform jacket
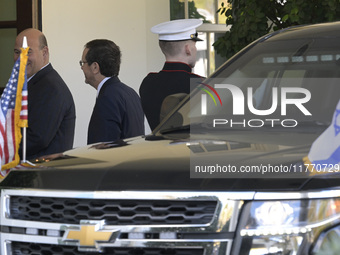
172 79
117 113
51 114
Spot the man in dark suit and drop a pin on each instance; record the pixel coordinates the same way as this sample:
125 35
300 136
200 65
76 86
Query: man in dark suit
51 109
117 113
177 40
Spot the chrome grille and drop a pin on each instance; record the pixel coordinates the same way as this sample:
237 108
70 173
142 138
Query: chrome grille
141 222
21 248
113 211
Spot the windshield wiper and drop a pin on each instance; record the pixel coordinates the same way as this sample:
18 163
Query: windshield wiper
179 129
194 127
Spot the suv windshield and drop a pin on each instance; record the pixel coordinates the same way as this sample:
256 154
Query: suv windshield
281 82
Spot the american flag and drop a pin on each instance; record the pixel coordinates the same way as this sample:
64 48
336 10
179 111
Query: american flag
13 114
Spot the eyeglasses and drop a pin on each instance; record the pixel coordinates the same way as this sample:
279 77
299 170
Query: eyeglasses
81 63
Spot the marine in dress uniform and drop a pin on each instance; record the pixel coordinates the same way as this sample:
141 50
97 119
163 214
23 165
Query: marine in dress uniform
177 71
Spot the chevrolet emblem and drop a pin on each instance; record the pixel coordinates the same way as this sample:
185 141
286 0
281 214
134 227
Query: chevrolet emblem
89 233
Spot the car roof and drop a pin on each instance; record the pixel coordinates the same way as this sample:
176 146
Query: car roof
326 30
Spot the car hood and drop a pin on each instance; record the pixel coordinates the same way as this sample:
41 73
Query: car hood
144 164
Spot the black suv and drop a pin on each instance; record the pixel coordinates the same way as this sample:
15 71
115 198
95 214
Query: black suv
248 163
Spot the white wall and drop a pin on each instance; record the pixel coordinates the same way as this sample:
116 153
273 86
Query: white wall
69 24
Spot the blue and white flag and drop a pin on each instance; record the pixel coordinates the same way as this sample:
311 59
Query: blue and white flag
325 150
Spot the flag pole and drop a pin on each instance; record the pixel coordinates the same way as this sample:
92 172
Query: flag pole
24 46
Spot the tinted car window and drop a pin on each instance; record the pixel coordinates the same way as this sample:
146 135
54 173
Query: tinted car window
310 63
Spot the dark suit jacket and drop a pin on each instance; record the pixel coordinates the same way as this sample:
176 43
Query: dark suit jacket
51 114
172 79
117 113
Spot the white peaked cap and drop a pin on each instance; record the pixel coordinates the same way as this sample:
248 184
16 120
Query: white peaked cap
177 30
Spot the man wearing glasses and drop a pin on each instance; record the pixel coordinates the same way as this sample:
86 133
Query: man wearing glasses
118 112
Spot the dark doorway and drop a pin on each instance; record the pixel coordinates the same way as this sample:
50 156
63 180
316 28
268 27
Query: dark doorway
15 16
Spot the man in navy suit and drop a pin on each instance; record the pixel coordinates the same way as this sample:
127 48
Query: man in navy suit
51 109
118 112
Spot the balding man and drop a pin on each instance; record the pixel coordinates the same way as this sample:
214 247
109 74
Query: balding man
51 109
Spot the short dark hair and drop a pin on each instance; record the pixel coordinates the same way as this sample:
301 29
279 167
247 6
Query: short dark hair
107 54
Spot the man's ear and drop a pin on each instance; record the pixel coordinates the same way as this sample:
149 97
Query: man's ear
187 49
95 67
45 51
